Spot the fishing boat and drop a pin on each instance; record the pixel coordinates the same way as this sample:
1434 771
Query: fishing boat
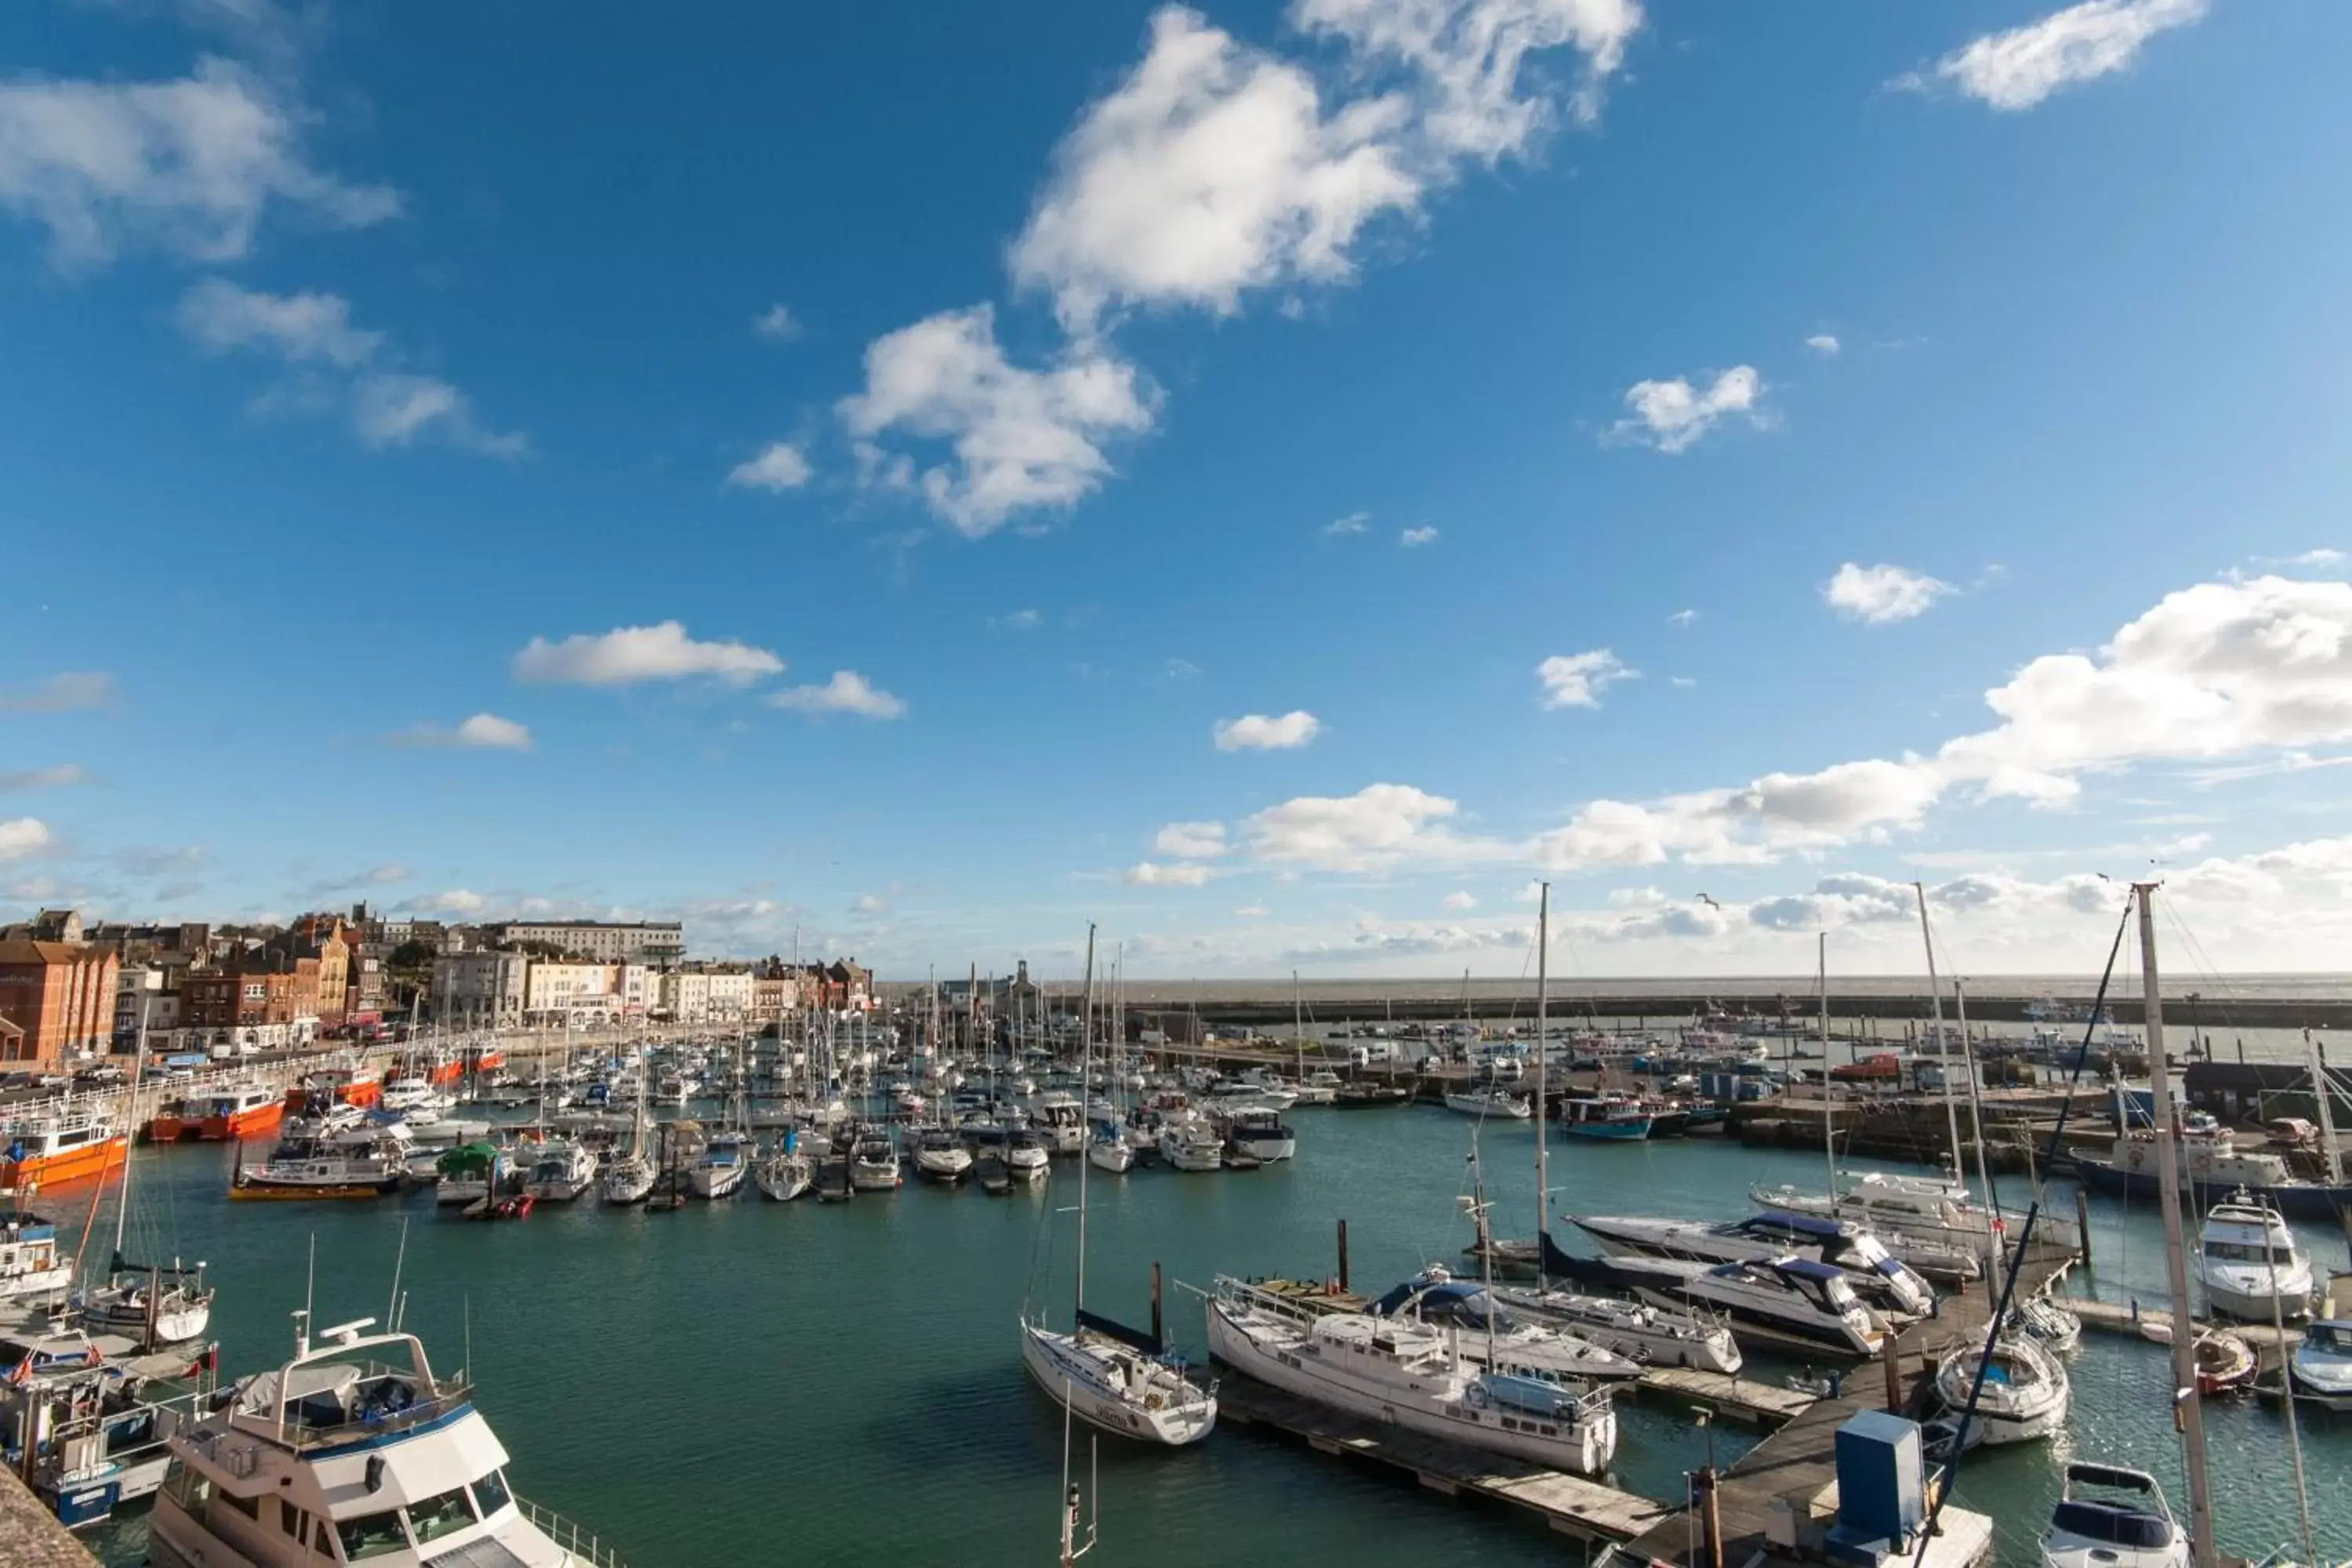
2024 1394
873 1162
353 1449
1491 1329
1491 1100
47 1148
1409 1375
224 1115
2321 1368
718 1171
2249 1263
2111 1517
1876 1276
31 1263
1260 1134
941 1156
1615 1119
561 1171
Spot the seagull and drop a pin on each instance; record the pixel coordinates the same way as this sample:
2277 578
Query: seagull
1710 903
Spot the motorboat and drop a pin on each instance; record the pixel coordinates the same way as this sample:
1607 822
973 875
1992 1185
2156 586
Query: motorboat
718 1171
1407 1375
31 1263
1060 1120
338 1455
1650 1335
1260 1134
2057 1329
563 1170
1025 1159
1319 1088
2110 1517
224 1116
2024 1394
1362 1094
2211 1168
1932 1222
306 1168
1273 1091
874 1163
1435 1297
2248 1261
1615 1119
1493 1100
1788 1298
940 1155
627 1180
1191 1146
45 1150
2321 1367
2225 1362
1876 1274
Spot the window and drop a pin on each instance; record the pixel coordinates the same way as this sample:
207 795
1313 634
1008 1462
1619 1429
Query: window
293 1520
491 1494
439 1516
372 1535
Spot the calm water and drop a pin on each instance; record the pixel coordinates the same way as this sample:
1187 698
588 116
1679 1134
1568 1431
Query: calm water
747 1381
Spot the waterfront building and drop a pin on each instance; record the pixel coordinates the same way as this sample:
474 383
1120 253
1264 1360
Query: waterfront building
658 943
146 1002
557 991
60 994
257 1004
479 990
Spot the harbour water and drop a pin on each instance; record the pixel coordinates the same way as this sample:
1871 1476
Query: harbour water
748 1381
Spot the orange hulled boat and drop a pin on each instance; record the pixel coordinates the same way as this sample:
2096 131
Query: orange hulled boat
59 1146
327 1086
225 1116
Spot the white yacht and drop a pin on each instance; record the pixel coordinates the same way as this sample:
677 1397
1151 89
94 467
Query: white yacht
2109 1516
1491 1101
874 1163
1873 1272
627 1180
941 1156
1932 1222
1025 1159
1191 1146
2025 1394
786 1172
1794 1298
1108 1150
2248 1261
718 1171
153 1306
1319 1088
563 1170
333 1167
1115 1379
337 1456
1060 1120
1260 1133
1406 1375
1651 1335
2322 1366
2057 1329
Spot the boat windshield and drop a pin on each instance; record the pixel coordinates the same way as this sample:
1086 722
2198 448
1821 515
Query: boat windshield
2118 1524
2248 1252
2336 1337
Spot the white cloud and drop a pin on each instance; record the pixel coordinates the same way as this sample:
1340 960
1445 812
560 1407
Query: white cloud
1192 840
393 408
487 731
1414 538
1261 733
456 902
187 166
779 467
1578 679
23 836
867 903
2326 555
1822 343
1354 522
1252 911
1681 682
1020 439
296 327
1211 170
1018 621
2019 67
847 692
777 324
1149 874
2285 763
1458 902
58 777
628 655
1879 594
1672 415
63 693
1182 669
1379 826
1684 618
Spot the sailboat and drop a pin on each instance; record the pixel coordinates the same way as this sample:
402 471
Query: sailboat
1110 1376
630 1179
135 1299
784 1173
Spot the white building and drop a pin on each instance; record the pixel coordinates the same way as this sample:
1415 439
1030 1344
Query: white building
659 943
708 996
559 991
141 1006
479 990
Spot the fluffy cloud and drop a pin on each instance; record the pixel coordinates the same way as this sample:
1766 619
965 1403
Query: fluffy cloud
23 836
628 655
777 324
65 693
1458 902
869 905
1354 522
1414 538
487 731
778 467
456 902
345 365
1260 732
1018 621
1578 679
1822 343
1672 415
187 166
1881 593
58 777
1192 840
847 692
1379 826
1151 874
1684 618
2019 67
1020 439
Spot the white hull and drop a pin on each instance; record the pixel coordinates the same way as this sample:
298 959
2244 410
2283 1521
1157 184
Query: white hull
1118 1158
1103 1399
1266 1148
784 1180
1184 1154
2015 1410
943 1164
872 1178
1504 1106
716 1181
36 1282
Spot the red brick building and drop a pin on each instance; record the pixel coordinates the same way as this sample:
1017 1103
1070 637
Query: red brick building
60 994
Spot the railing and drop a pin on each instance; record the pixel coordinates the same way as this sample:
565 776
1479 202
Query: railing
587 1548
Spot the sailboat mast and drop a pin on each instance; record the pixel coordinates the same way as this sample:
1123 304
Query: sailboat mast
2189 1405
1543 1022
1829 1127
130 1126
1976 1129
1935 1009
1298 1028
2332 1162
1085 1085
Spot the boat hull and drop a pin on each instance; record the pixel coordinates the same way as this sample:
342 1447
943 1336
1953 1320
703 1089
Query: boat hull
1070 1377
2298 1200
91 1159
1632 1131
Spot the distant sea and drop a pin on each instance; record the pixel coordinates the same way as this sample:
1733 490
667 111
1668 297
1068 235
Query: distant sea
1363 997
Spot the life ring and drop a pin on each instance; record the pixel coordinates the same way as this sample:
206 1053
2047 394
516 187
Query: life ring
1477 1396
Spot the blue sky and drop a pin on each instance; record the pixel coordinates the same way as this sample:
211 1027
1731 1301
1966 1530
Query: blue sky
1273 480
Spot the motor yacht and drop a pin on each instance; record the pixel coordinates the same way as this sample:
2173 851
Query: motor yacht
2248 1261
2322 1365
941 1156
874 1163
1435 1297
1060 1120
1025 1159
2110 1517
718 1171
1876 1274
563 1170
1407 1375
1650 1335
1191 1146
1262 1134
1932 1222
1791 1298
1319 1088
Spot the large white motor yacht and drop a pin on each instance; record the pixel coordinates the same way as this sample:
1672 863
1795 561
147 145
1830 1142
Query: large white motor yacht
2248 1261
338 1455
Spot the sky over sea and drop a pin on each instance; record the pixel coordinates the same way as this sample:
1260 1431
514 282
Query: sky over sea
1279 481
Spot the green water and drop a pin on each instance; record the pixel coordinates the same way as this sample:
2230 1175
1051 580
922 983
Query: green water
749 1381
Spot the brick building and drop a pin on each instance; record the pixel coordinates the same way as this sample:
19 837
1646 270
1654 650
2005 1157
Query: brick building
60 994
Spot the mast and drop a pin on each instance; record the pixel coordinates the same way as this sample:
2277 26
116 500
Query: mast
1298 1028
1085 1081
1829 1128
1976 1129
131 1129
2186 1400
1943 1054
2332 1162
1543 1020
